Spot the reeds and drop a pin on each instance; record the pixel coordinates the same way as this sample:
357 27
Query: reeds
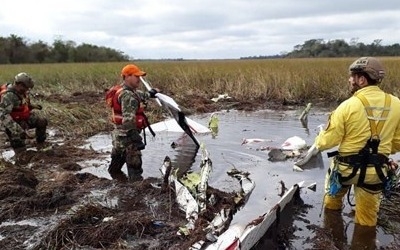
274 80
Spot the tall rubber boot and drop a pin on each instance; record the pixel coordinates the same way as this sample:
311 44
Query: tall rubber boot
117 162
41 130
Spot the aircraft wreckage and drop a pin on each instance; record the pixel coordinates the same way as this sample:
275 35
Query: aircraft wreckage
191 189
192 197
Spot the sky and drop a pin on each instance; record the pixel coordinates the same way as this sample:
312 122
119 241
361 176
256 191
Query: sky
201 29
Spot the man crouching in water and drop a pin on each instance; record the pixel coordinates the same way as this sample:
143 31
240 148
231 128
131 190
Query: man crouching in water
16 114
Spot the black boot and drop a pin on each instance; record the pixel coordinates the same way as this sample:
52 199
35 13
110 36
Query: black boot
41 130
117 161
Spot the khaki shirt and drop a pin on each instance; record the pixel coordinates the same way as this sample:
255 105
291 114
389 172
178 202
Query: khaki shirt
349 129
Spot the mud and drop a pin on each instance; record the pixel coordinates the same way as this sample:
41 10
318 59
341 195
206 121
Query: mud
46 203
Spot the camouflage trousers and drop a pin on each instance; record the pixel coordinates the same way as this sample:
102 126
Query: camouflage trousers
126 149
35 121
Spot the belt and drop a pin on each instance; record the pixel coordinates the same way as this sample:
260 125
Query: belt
379 159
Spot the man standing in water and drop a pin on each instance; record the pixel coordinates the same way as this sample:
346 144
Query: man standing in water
129 120
366 129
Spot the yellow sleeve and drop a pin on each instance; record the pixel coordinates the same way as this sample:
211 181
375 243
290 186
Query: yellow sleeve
333 133
396 141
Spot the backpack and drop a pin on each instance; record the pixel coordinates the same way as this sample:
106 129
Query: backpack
110 93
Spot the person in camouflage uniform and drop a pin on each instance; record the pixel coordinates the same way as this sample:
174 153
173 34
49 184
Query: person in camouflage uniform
127 111
16 114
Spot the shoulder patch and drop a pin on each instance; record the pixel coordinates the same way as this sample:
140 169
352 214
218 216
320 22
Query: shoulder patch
328 123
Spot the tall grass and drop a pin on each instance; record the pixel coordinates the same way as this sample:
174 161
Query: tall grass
296 80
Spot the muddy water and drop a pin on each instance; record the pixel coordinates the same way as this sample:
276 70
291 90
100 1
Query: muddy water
227 152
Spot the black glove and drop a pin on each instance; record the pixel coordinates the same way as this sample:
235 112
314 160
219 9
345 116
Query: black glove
23 136
153 93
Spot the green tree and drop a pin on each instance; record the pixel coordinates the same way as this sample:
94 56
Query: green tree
40 52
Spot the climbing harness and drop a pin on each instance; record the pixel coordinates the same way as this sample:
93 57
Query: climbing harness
368 156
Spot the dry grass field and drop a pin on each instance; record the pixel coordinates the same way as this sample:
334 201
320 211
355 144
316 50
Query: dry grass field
72 94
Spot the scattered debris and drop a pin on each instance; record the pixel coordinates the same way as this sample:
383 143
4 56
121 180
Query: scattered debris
193 197
240 236
254 140
221 97
277 154
297 168
312 151
312 186
213 124
294 143
304 115
283 188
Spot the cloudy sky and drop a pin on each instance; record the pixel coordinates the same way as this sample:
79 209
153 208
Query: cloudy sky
201 29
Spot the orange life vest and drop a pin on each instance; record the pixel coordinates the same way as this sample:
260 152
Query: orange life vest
20 113
112 97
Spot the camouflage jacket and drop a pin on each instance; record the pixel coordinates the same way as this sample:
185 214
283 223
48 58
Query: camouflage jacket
9 101
129 104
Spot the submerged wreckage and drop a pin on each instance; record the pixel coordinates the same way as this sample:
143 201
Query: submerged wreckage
193 195
193 199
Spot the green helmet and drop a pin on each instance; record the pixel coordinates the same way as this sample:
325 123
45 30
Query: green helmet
25 79
369 65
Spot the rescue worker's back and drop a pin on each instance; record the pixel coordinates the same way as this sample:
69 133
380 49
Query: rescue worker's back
366 130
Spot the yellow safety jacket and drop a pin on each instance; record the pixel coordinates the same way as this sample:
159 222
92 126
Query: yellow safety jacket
349 127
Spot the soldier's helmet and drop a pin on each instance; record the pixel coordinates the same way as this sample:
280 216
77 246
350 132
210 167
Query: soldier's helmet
25 79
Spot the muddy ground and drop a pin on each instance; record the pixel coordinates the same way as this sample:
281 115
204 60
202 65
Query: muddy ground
58 207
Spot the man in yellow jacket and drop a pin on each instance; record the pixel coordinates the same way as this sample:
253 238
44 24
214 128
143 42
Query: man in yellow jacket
366 129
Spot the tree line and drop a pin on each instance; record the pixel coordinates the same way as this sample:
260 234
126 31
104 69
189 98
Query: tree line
16 50
315 48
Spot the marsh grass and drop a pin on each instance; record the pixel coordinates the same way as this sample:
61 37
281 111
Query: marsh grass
276 80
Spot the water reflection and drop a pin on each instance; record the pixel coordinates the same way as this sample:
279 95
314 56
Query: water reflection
334 223
304 123
185 154
363 237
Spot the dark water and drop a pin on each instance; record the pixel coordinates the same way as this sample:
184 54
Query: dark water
226 152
